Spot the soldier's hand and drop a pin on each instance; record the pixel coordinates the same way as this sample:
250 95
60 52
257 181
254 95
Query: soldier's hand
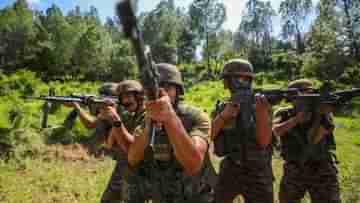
109 113
230 111
160 110
302 117
262 104
72 105
327 108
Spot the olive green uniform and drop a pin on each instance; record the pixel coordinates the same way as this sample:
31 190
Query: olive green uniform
308 167
246 168
165 175
117 188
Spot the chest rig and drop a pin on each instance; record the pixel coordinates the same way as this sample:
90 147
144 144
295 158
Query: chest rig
295 145
237 140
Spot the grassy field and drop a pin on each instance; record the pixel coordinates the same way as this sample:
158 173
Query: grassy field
45 174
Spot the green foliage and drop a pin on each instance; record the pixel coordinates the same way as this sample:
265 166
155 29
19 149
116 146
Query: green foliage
161 30
287 65
294 14
49 180
45 175
187 43
207 17
17 32
20 121
351 76
93 53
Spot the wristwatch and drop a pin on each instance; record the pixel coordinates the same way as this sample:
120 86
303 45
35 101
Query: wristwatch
117 124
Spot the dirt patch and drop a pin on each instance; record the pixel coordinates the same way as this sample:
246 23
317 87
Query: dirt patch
72 152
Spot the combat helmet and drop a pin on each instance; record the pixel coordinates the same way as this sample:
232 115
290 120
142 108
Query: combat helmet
129 86
300 83
108 89
170 74
237 67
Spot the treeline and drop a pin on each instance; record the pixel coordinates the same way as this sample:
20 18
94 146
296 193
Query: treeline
319 40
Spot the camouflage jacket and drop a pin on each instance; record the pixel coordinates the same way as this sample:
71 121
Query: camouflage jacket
237 140
295 144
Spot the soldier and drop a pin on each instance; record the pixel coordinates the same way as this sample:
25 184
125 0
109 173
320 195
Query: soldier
96 119
131 95
241 131
179 165
306 143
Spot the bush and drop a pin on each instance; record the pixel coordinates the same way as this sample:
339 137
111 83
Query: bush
351 75
24 82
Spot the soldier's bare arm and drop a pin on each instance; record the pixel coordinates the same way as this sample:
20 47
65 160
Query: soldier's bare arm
136 149
189 150
86 119
230 112
119 135
281 128
263 121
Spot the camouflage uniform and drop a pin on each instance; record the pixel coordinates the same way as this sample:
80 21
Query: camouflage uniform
166 176
307 167
117 188
246 168
114 191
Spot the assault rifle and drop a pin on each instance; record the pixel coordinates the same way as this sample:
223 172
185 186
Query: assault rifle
244 94
275 96
149 75
82 99
312 102
92 101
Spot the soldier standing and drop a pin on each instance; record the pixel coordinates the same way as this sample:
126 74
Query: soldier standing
131 96
179 166
241 131
306 143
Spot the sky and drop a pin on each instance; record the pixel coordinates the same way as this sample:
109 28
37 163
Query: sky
105 8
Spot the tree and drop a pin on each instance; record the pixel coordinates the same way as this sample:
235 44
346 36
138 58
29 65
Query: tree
220 44
58 44
254 35
325 58
17 36
122 62
187 43
93 53
207 17
257 23
351 24
161 28
294 15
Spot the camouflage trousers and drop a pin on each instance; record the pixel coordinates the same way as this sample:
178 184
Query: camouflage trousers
318 178
124 186
253 181
114 190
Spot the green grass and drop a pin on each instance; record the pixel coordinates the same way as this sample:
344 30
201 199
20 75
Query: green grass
47 181
34 175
